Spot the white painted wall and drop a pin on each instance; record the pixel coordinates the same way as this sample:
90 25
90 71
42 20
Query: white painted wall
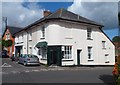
67 33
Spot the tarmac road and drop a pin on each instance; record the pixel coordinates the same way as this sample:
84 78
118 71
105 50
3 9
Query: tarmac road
18 73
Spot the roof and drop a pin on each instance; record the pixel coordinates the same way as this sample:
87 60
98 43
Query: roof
64 15
67 15
12 30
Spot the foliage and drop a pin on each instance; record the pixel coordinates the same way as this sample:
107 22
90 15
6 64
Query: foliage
7 43
116 39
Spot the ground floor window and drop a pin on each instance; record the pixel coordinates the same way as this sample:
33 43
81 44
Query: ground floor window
67 52
42 52
90 53
106 58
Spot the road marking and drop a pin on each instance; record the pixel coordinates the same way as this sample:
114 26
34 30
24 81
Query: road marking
6 65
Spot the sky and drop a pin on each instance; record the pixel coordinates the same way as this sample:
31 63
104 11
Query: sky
23 13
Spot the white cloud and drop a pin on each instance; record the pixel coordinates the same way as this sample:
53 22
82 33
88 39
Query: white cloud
102 12
20 16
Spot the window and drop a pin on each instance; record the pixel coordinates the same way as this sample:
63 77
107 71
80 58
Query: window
8 36
18 39
22 38
104 44
90 53
30 36
89 31
43 32
43 53
106 58
30 49
67 52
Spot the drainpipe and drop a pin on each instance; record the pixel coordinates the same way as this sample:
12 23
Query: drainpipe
27 42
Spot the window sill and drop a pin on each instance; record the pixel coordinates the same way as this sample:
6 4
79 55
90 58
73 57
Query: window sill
90 60
107 61
30 39
104 48
42 38
68 38
44 59
67 59
89 39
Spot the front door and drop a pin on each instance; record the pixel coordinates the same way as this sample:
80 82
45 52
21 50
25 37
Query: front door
54 55
78 57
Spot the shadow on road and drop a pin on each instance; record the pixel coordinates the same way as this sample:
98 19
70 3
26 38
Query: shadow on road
107 79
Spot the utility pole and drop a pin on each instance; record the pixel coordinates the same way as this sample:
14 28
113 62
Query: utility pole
4 19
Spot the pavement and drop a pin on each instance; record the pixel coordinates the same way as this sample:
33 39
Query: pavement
12 67
13 72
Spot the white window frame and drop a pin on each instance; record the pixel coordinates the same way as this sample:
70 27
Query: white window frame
30 36
22 38
30 49
89 33
107 58
43 53
90 55
8 36
43 32
67 52
104 44
18 39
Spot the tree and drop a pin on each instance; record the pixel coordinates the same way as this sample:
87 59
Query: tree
116 39
7 43
119 24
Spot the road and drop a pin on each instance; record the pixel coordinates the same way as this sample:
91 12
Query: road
18 73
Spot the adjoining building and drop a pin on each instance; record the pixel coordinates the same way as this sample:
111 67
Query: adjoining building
64 38
9 35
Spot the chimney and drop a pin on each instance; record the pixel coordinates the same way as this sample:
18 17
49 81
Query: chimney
46 13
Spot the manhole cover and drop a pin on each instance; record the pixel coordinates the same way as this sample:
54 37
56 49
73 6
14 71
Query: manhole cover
6 65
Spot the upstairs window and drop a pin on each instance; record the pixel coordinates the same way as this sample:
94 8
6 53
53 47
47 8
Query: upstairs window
22 38
30 36
43 32
89 32
8 36
104 44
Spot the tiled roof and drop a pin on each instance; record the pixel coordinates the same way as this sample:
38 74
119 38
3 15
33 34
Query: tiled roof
13 30
64 15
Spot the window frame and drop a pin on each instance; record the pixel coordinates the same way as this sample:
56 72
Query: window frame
30 36
90 53
103 44
67 52
43 32
89 33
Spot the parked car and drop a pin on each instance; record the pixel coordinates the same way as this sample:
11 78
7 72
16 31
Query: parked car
28 59
15 58
3 54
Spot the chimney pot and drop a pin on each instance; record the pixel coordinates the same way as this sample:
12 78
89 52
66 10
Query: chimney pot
47 12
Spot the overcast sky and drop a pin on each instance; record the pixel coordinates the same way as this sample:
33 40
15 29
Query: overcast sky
21 14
